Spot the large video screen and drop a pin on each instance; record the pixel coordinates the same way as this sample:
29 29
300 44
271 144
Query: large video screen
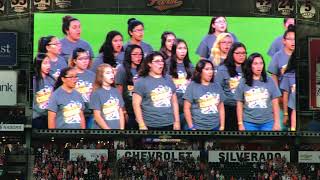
148 72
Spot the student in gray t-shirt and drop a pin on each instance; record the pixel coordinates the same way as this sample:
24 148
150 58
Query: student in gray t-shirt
257 98
126 77
180 68
51 46
280 60
203 100
228 77
106 101
136 33
43 84
277 44
218 25
154 96
111 51
71 28
65 109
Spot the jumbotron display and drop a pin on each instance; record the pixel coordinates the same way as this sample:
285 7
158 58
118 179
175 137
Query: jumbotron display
143 72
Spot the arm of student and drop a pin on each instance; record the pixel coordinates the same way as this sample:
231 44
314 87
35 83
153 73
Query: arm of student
175 106
275 79
136 103
122 121
221 116
285 97
240 115
120 89
82 121
52 119
100 121
276 114
187 113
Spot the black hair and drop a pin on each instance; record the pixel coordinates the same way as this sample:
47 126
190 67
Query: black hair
291 66
163 48
291 28
107 49
230 62
248 74
66 20
38 60
132 23
198 70
127 62
63 73
173 60
145 69
213 19
43 43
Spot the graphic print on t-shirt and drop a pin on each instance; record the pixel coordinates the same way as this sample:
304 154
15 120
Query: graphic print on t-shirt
208 103
181 82
56 74
283 69
233 83
256 97
85 89
293 88
42 97
131 87
161 96
110 109
71 112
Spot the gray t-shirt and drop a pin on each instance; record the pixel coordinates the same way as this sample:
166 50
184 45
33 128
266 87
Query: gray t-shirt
147 48
56 67
156 96
276 45
108 102
204 104
68 47
99 60
42 93
257 100
279 63
67 107
121 79
205 46
228 84
288 84
84 84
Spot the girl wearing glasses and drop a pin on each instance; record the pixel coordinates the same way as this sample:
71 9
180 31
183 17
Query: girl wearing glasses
106 101
228 77
220 49
81 61
167 40
217 26
180 69
203 100
154 98
125 79
51 46
71 28
111 51
136 33
65 109
257 98
43 84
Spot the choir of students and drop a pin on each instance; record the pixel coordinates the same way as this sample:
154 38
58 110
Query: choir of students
133 87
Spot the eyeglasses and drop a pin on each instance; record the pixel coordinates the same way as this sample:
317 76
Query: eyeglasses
138 30
55 44
240 53
71 77
83 58
158 61
137 54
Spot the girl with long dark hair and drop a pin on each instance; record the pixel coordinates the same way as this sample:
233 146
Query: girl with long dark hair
111 51
217 25
65 109
154 98
125 79
257 98
43 84
167 40
203 100
228 77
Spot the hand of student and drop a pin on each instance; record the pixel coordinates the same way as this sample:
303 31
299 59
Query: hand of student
221 128
241 127
176 125
142 126
276 127
285 120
